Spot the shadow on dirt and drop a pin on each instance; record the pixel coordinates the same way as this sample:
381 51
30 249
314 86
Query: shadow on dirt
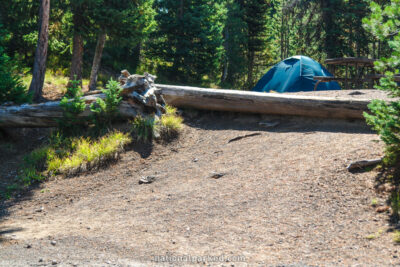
7 231
14 145
143 149
214 120
387 185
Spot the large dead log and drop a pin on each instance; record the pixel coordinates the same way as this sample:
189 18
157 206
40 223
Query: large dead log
264 103
140 97
47 114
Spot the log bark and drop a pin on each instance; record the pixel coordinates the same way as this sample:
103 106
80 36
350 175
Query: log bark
263 103
39 66
139 98
363 163
96 60
47 114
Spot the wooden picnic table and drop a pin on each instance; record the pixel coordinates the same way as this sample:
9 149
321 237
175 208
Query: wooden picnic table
361 64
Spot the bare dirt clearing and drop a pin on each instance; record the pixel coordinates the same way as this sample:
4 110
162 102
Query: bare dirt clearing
285 198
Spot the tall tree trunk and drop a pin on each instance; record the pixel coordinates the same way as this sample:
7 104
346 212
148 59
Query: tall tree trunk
136 56
96 60
250 70
332 41
39 66
77 50
226 59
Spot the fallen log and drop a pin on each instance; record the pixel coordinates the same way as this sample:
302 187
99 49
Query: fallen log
140 97
48 114
139 91
356 165
263 103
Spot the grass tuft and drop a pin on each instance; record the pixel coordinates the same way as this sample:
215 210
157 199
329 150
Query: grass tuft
396 237
68 156
171 122
144 129
370 237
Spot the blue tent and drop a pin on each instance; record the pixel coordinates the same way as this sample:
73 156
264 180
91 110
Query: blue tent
294 74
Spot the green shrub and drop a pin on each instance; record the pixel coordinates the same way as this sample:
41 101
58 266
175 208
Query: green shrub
385 117
168 126
144 129
72 105
105 111
11 86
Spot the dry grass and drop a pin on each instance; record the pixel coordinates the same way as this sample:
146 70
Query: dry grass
69 157
54 84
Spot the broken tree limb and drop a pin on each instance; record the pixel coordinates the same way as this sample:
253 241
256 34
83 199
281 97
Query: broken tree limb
264 103
47 114
362 164
243 136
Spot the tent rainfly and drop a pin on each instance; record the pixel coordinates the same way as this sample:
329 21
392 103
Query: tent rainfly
295 74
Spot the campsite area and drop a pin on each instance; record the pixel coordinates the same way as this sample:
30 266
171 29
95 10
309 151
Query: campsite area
199 133
313 211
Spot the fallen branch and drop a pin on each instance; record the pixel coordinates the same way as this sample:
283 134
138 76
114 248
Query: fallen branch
243 136
362 164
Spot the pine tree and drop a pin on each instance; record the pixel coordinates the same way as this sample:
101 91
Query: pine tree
385 117
189 39
250 40
80 22
235 44
125 20
255 16
39 66
11 87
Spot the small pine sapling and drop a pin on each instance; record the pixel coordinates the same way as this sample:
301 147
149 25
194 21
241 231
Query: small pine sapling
105 111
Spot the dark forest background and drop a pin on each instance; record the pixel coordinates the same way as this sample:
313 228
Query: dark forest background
220 43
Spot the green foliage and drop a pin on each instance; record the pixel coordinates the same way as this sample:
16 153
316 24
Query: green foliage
144 129
72 105
90 152
167 127
66 155
395 205
11 87
170 122
235 43
189 39
227 43
105 111
396 236
385 117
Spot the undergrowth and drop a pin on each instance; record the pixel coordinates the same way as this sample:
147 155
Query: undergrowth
57 80
72 105
106 111
146 129
68 156
76 148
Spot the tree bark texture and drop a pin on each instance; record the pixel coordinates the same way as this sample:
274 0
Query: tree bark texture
39 66
96 60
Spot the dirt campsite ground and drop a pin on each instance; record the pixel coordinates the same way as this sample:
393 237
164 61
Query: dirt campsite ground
284 198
